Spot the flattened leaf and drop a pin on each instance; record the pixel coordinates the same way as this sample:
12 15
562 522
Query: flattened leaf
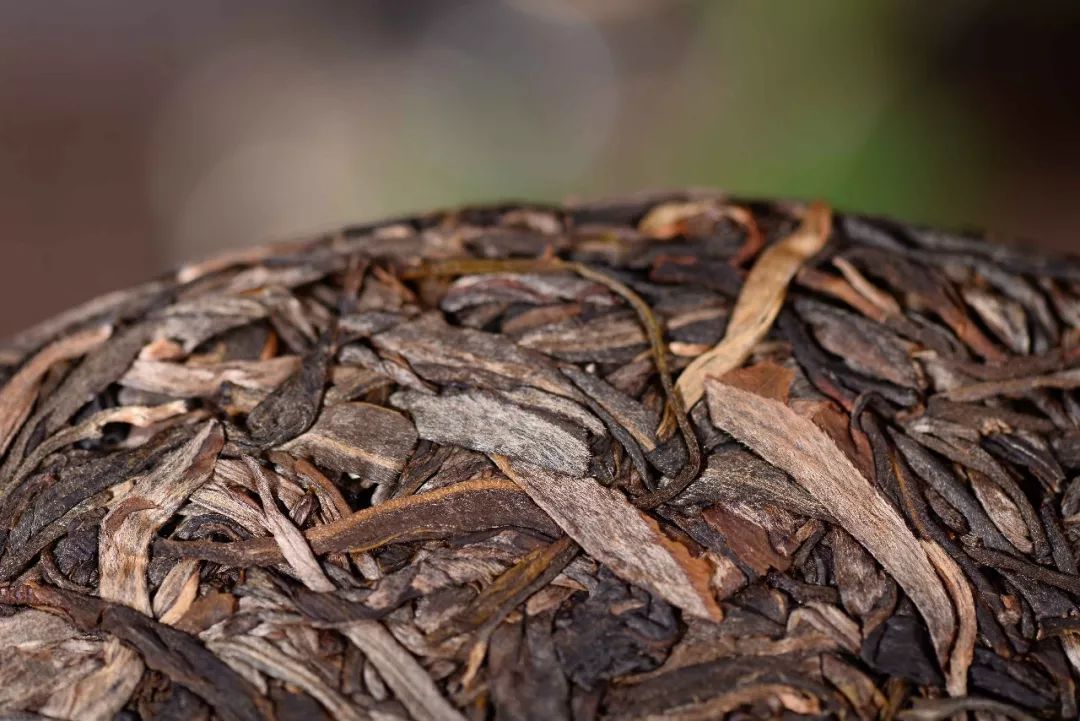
201 318
611 338
625 410
99 369
128 529
442 353
860 582
609 528
868 347
513 586
358 438
1067 379
454 510
266 657
767 379
293 406
414 688
123 558
1002 511
184 381
799 447
172 652
733 475
534 289
483 421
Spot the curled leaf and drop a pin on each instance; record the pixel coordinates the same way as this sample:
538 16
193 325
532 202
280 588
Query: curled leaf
758 303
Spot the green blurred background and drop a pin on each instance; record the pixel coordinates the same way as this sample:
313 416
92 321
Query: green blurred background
135 135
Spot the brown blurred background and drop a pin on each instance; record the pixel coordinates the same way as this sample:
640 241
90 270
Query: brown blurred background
137 134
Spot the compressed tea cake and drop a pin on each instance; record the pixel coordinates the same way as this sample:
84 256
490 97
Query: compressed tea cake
669 457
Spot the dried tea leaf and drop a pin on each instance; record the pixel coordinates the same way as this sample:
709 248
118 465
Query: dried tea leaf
414 688
362 439
290 540
269 659
746 541
797 446
1068 379
293 406
172 652
866 346
758 303
19 392
200 318
186 381
767 379
964 647
733 475
99 369
1004 317
534 289
1002 511
441 353
623 409
129 527
527 682
860 582
612 338
177 592
665 220
458 509
485 422
123 558
526 576
923 380
604 523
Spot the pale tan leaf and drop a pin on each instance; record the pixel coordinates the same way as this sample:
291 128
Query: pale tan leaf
18 394
879 298
605 524
290 540
187 381
665 220
262 655
33 628
177 591
127 530
794 444
135 416
759 302
123 558
963 650
485 422
409 681
99 695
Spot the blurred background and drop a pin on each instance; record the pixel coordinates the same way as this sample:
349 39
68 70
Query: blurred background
135 134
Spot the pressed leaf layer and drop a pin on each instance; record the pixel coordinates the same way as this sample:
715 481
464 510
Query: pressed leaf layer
669 457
